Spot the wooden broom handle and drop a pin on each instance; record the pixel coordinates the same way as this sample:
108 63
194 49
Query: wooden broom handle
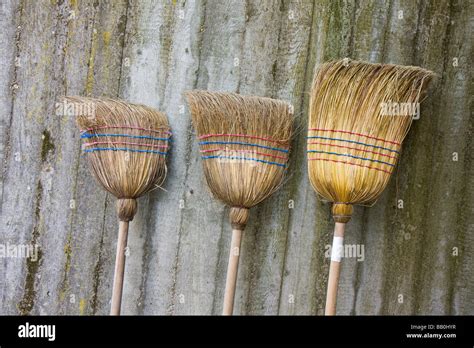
119 268
232 269
334 270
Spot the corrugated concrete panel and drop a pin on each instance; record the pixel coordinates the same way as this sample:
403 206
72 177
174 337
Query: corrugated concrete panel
418 239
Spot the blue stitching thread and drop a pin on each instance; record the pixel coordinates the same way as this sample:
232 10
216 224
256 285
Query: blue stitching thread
124 149
245 158
86 135
239 143
347 155
351 141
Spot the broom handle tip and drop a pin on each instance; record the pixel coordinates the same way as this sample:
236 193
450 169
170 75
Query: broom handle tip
119 268
232 269
334 269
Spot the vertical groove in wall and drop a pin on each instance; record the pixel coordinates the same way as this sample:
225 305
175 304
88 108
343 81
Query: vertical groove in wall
423 56
6 133
98 269
445 193
123 44
219 295
386 31
188 146
297 187
64 286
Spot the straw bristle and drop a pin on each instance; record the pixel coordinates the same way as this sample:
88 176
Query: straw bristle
353 140
126 145
244 143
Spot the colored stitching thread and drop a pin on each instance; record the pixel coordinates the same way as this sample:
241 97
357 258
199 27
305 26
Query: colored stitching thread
242 136
246 151
123 135
126 127
245 158
355 142
239 143
351 148
352 164
124 143
124 149
347 155
359 134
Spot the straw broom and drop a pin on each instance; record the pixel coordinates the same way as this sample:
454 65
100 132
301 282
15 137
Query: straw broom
355 136
126 145
244 142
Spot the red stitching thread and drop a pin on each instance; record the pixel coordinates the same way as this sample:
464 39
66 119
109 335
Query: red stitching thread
205 136
127 127
124 143
359 134
352 164
352 148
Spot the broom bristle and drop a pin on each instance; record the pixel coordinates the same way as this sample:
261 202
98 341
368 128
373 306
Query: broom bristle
244 142
355 130
126 146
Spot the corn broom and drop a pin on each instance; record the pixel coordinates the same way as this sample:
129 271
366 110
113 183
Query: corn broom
126 145
244 142
358 120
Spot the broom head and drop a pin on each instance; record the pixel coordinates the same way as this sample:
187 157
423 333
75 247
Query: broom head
126 145
244 143
359 114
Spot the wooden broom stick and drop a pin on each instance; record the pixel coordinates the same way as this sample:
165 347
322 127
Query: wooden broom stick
334 268
232 269
119 268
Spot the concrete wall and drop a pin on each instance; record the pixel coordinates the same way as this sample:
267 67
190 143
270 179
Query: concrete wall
419 259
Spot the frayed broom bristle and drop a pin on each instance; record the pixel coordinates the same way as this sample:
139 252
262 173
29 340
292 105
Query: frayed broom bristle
244 143
353 144
126 146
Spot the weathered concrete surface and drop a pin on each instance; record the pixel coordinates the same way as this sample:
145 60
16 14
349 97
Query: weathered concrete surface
418 259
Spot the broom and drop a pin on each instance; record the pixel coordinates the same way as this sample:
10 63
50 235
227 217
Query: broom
357 121
126 145
244 142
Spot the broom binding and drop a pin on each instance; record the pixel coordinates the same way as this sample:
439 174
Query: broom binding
126 208
239 217
342 212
